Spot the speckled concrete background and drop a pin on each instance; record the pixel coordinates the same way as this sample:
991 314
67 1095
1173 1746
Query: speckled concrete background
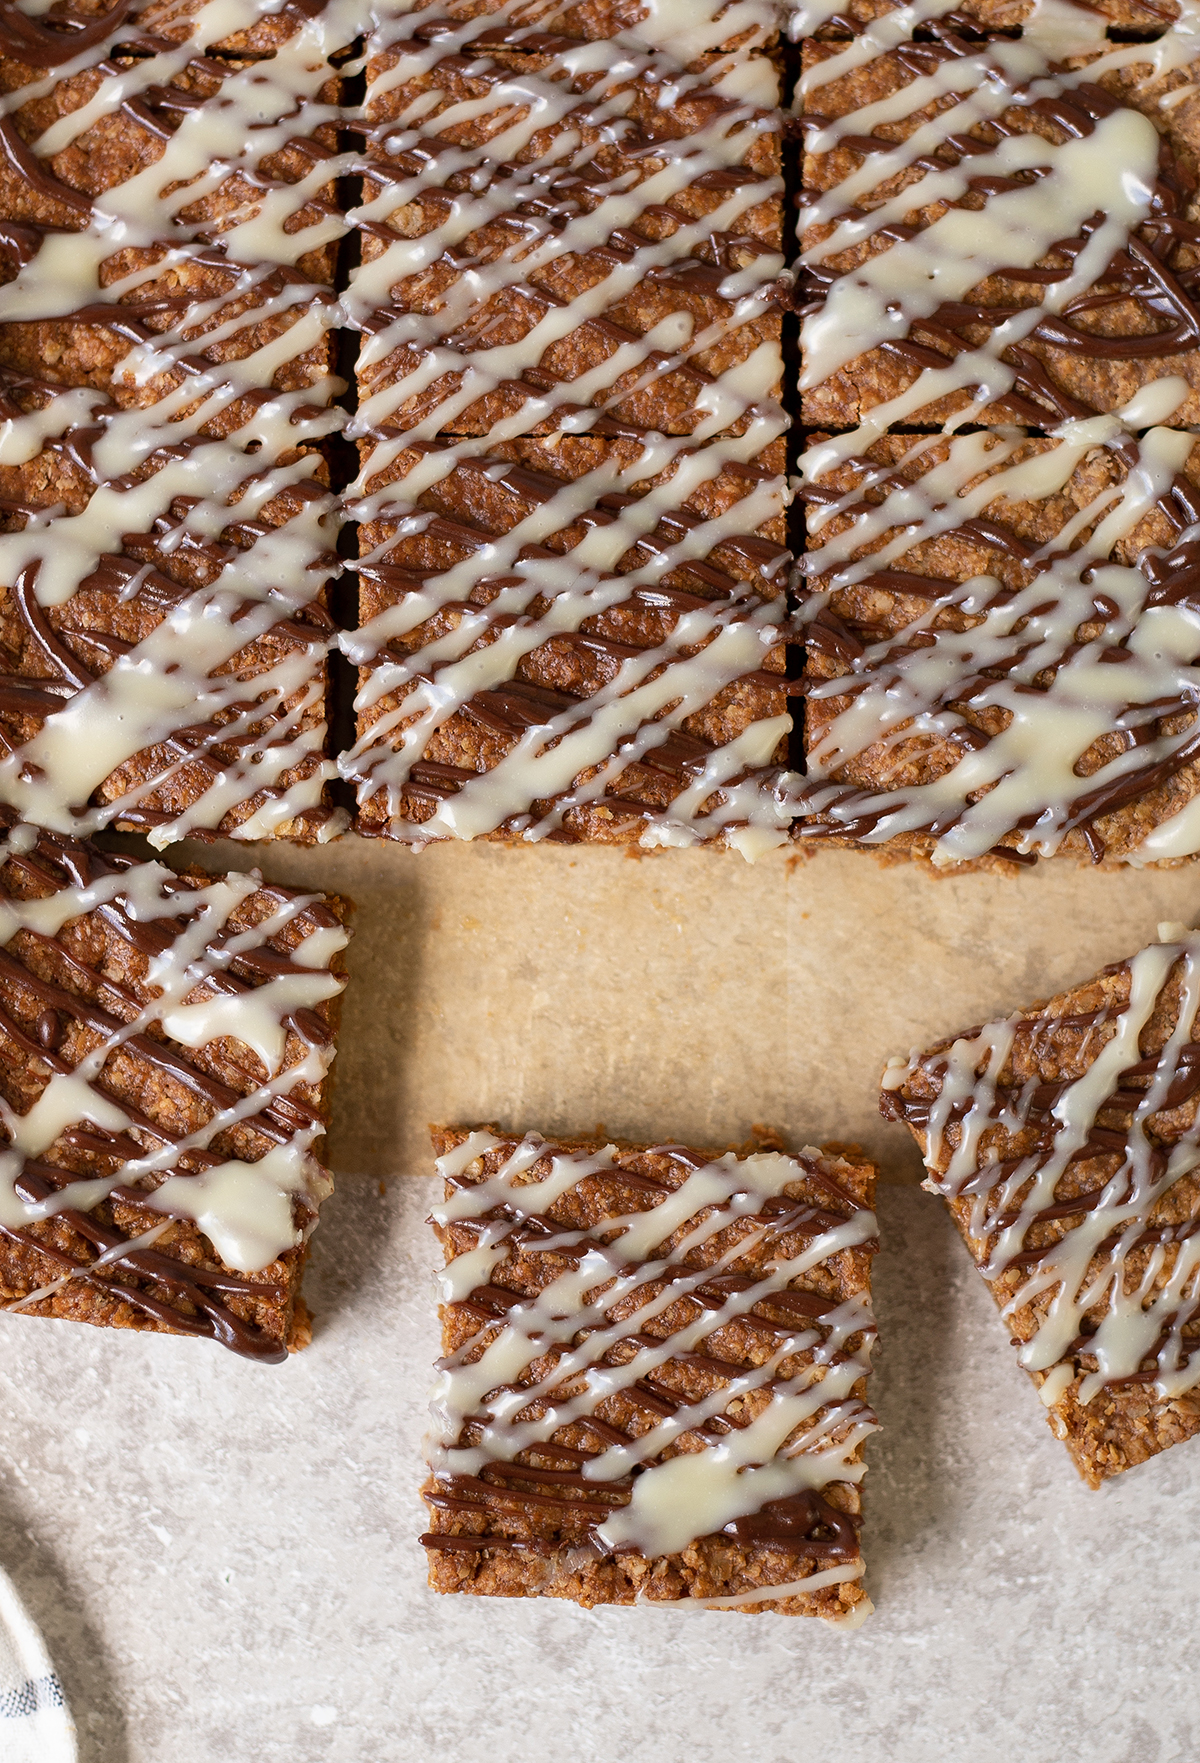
222 1558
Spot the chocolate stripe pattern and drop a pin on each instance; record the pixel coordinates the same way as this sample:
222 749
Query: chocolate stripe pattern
1000 663
654 1380
572 574
165 386
1066 1141
164 1042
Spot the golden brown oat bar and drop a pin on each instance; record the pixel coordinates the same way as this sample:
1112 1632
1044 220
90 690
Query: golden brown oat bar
547 230
167 223
557 641
164 1047
1001 641
170 679
168 132
1064 1140
966 248
655 1371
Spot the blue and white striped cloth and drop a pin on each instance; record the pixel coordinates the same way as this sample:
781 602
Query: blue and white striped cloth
35 1722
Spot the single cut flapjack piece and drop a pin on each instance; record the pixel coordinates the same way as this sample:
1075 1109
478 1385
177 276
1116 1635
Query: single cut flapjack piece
164 1045
544 230
165 652
167 226
1065 1140
655 1371
194 138
1002 635
966 246
574 637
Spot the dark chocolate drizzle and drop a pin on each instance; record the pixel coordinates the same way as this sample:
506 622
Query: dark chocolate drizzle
548 1481
1108 1169
180 1295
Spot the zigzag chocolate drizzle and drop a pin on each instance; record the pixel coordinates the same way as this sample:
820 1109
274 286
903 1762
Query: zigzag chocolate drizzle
570 1345
89 1140
1068 1144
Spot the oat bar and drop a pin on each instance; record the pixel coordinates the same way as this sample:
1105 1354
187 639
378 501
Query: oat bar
555 643
968 248
1064 1141
1000 643
164 1047
545 230
653 1388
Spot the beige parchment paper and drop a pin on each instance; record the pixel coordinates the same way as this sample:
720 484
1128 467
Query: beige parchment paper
680 994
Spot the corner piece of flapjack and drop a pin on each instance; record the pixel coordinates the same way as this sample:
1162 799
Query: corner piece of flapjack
165 1042
966 250
653 1388
1065 1140
1002 634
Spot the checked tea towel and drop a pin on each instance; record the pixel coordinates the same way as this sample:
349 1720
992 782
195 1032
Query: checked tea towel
35 1722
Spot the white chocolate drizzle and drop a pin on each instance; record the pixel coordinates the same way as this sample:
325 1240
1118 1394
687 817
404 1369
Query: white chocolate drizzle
208 982
1077 1190
1088 649
536 181
538 1370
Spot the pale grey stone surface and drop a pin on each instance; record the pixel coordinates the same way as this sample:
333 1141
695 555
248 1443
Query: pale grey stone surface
223 1557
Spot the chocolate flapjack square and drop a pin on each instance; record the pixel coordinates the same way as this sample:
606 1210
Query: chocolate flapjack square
1001 640
542 230
966 248
654 1375
165 1042
836 22
1065 1141
559 641
170 680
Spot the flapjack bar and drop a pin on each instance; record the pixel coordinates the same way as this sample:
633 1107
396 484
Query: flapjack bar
164 1048
1065 1141
1000 636
555 643
653 1387
969 250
